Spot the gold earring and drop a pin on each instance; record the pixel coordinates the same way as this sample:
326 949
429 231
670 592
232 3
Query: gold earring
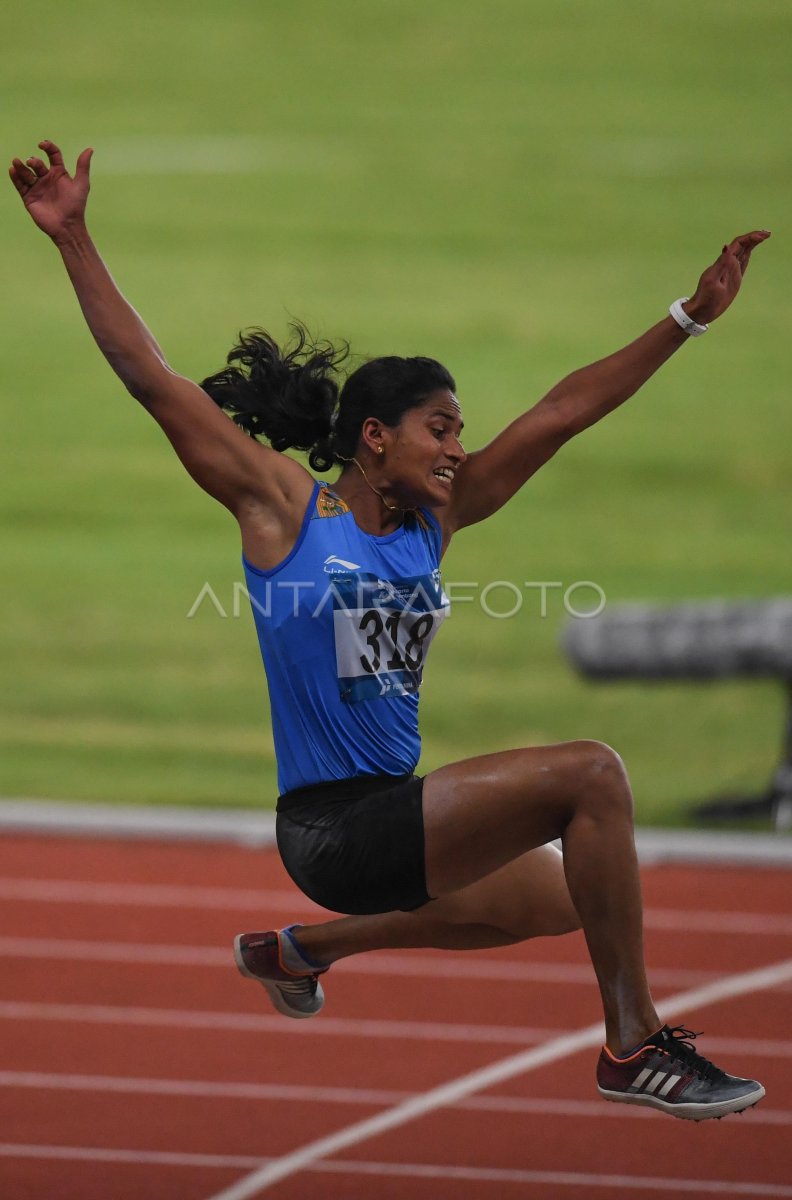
380 449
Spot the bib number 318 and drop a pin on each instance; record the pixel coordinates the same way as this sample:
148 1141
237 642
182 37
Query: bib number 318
398 635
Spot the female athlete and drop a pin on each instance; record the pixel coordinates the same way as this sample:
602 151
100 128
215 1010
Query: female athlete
347 596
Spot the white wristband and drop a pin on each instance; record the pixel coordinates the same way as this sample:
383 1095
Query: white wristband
691 327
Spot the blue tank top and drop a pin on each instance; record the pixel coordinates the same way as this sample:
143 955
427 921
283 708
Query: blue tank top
344 624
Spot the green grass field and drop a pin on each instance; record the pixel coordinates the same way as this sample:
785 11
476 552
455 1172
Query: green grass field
514 188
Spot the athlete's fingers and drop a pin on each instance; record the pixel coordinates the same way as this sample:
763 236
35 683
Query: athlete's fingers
52 152
83 168
13 177
737 255
21 176
747 241
740 250
744 259
752 238
37 166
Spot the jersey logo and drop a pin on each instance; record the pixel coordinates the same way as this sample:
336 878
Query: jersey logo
332 563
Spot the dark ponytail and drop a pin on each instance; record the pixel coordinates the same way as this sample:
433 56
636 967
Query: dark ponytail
286 395
291 396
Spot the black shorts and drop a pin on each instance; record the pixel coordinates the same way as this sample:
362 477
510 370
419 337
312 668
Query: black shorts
356 845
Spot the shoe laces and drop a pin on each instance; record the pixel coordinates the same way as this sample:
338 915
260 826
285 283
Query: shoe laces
678 1043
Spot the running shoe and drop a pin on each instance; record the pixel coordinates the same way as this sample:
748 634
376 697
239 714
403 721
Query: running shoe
259 956
665 1072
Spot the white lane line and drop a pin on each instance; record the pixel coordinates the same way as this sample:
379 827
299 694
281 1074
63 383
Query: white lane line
156 895
476 1081
308 1094
205 1088
65 949
499 1175
426 1031
431 966
148 1157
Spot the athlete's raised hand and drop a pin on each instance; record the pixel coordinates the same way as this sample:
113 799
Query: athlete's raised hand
55 199
720 283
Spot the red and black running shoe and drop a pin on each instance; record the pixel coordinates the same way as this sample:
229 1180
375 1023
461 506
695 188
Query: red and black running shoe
665 1072
297 994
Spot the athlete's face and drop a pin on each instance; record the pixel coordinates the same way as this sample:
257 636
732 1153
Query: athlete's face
426 451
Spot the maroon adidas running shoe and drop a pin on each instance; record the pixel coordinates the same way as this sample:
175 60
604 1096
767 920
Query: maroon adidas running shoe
665 1072
259 956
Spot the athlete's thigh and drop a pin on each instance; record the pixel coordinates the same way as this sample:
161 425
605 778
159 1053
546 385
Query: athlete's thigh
526 898
483 812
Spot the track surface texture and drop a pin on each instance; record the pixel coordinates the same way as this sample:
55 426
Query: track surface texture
137 1063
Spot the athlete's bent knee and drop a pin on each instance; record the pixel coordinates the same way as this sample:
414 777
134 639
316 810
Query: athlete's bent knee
600 758
604 778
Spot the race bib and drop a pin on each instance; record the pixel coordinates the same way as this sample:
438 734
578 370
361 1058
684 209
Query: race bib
383 629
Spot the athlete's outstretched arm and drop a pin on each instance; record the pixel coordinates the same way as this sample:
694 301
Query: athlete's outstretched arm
491 476
227 463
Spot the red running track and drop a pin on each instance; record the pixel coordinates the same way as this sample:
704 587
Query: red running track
137 1063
